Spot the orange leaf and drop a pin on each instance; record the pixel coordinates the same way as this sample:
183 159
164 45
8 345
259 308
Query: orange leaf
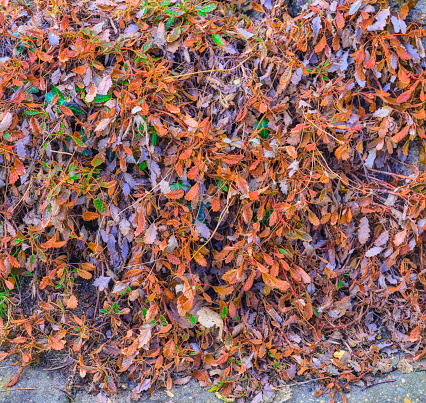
54 343
19 165
88 266
320 45
415 334
192 192
66 111
339 20
80 69
151 313
90 96
215 204
13 381
90 215
275 282
200 375
200 259
173 109
191 122
186 154
242 184
175 194
141 223
404 97
302 273
85 274
314 220
400 135
72 302
291 152
173 259
13 176
224 290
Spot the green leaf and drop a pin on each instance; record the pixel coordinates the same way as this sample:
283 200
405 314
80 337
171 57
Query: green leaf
263 127
228 340
218 40
98 160
31 113
49 97
315 311
298 234
174 35
180 185
154 139
175 13
78 141
100 206
206 9
142 165
193 319
163 321
100 99
41 255
74 107
170 21
32 90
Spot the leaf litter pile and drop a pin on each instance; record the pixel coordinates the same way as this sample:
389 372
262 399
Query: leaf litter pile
215 190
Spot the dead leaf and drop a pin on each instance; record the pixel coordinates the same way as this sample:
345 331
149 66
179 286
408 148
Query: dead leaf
363 231
404 366
275 282
102 282
5 122
150 234
209 319
104 85
102 125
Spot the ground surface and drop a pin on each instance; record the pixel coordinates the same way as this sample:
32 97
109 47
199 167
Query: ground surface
49 386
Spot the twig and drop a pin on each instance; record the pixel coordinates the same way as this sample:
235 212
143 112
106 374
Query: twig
63 391
219 221
69 361
378 383
10 390
207 71
310 380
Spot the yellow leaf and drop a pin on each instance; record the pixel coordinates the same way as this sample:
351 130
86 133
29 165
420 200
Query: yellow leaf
339 354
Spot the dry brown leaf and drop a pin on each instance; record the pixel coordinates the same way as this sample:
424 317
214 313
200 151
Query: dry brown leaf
144 336
150 234
399 238
209 319
72 302
275 282
102 125
363 231
6 122
104 85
